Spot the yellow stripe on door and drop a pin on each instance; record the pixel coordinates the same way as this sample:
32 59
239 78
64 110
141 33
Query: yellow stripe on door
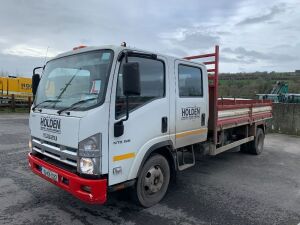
191 132
124 156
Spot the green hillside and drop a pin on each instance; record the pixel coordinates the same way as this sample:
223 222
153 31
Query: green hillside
247 85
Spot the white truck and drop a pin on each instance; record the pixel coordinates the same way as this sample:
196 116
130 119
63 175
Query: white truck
111 117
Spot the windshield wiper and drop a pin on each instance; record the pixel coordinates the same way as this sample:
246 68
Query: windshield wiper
68 83
74 104
49 100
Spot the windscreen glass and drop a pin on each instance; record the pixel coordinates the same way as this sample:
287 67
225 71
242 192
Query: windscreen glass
68 80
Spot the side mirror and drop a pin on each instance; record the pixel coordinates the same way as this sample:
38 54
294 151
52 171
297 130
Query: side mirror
131 87
35 80
131 79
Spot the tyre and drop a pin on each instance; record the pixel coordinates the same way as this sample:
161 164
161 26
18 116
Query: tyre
153 181
257 145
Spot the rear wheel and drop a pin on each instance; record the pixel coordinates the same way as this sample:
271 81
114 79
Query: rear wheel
153 181
257 145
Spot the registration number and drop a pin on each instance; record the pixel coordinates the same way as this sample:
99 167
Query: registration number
50 174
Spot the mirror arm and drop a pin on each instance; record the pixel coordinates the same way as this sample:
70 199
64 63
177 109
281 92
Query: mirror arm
36 68
126 57
127 108
127 111
119 126
127 98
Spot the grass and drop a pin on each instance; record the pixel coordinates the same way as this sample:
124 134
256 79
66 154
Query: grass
248 85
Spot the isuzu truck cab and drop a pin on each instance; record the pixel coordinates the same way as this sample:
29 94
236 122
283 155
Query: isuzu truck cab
111 117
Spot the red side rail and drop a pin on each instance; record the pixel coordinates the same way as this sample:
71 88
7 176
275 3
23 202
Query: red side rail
212 62
231 104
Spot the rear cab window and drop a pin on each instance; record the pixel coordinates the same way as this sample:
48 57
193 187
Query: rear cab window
190 81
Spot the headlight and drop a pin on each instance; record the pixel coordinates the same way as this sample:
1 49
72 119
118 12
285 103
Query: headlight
86 165
89 154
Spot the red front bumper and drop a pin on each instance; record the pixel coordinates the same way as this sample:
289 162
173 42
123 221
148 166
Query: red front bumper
77 186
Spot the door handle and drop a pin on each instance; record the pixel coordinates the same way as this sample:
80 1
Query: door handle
164 124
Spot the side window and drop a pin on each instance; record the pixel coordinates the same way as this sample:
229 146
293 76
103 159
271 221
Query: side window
190 81
152 74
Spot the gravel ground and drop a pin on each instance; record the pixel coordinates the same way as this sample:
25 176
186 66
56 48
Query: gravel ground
231 188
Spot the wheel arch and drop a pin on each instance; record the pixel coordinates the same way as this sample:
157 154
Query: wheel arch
164 148
261 126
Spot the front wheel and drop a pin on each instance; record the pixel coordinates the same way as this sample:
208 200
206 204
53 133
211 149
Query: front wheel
153 181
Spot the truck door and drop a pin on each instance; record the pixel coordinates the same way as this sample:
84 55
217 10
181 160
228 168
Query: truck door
191 103
148 121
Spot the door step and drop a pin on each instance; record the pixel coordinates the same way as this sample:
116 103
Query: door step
185 157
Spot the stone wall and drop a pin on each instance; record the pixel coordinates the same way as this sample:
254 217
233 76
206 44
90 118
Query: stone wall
286 119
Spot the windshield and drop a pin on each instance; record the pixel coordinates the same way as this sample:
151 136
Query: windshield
75 78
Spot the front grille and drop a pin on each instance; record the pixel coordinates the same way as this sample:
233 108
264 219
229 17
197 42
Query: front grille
58 152
56 163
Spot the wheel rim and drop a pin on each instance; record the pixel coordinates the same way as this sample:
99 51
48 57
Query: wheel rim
153 180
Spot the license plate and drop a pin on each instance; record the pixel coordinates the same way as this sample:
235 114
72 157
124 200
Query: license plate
50 174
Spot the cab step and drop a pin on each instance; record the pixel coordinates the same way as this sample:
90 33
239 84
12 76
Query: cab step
185 157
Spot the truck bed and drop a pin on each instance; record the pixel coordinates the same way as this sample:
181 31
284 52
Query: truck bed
236 112
225 113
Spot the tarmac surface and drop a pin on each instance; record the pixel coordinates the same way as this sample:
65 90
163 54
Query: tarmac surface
231 188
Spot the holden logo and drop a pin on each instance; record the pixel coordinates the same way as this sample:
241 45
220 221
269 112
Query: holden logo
190 113
50 124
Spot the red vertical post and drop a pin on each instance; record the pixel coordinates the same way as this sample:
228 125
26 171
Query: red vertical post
216 83
251 113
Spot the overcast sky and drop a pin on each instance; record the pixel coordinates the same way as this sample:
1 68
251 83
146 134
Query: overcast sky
253 35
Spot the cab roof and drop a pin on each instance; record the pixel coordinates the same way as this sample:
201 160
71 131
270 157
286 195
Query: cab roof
115 48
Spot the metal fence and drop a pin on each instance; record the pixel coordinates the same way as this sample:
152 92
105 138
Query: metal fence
14 101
